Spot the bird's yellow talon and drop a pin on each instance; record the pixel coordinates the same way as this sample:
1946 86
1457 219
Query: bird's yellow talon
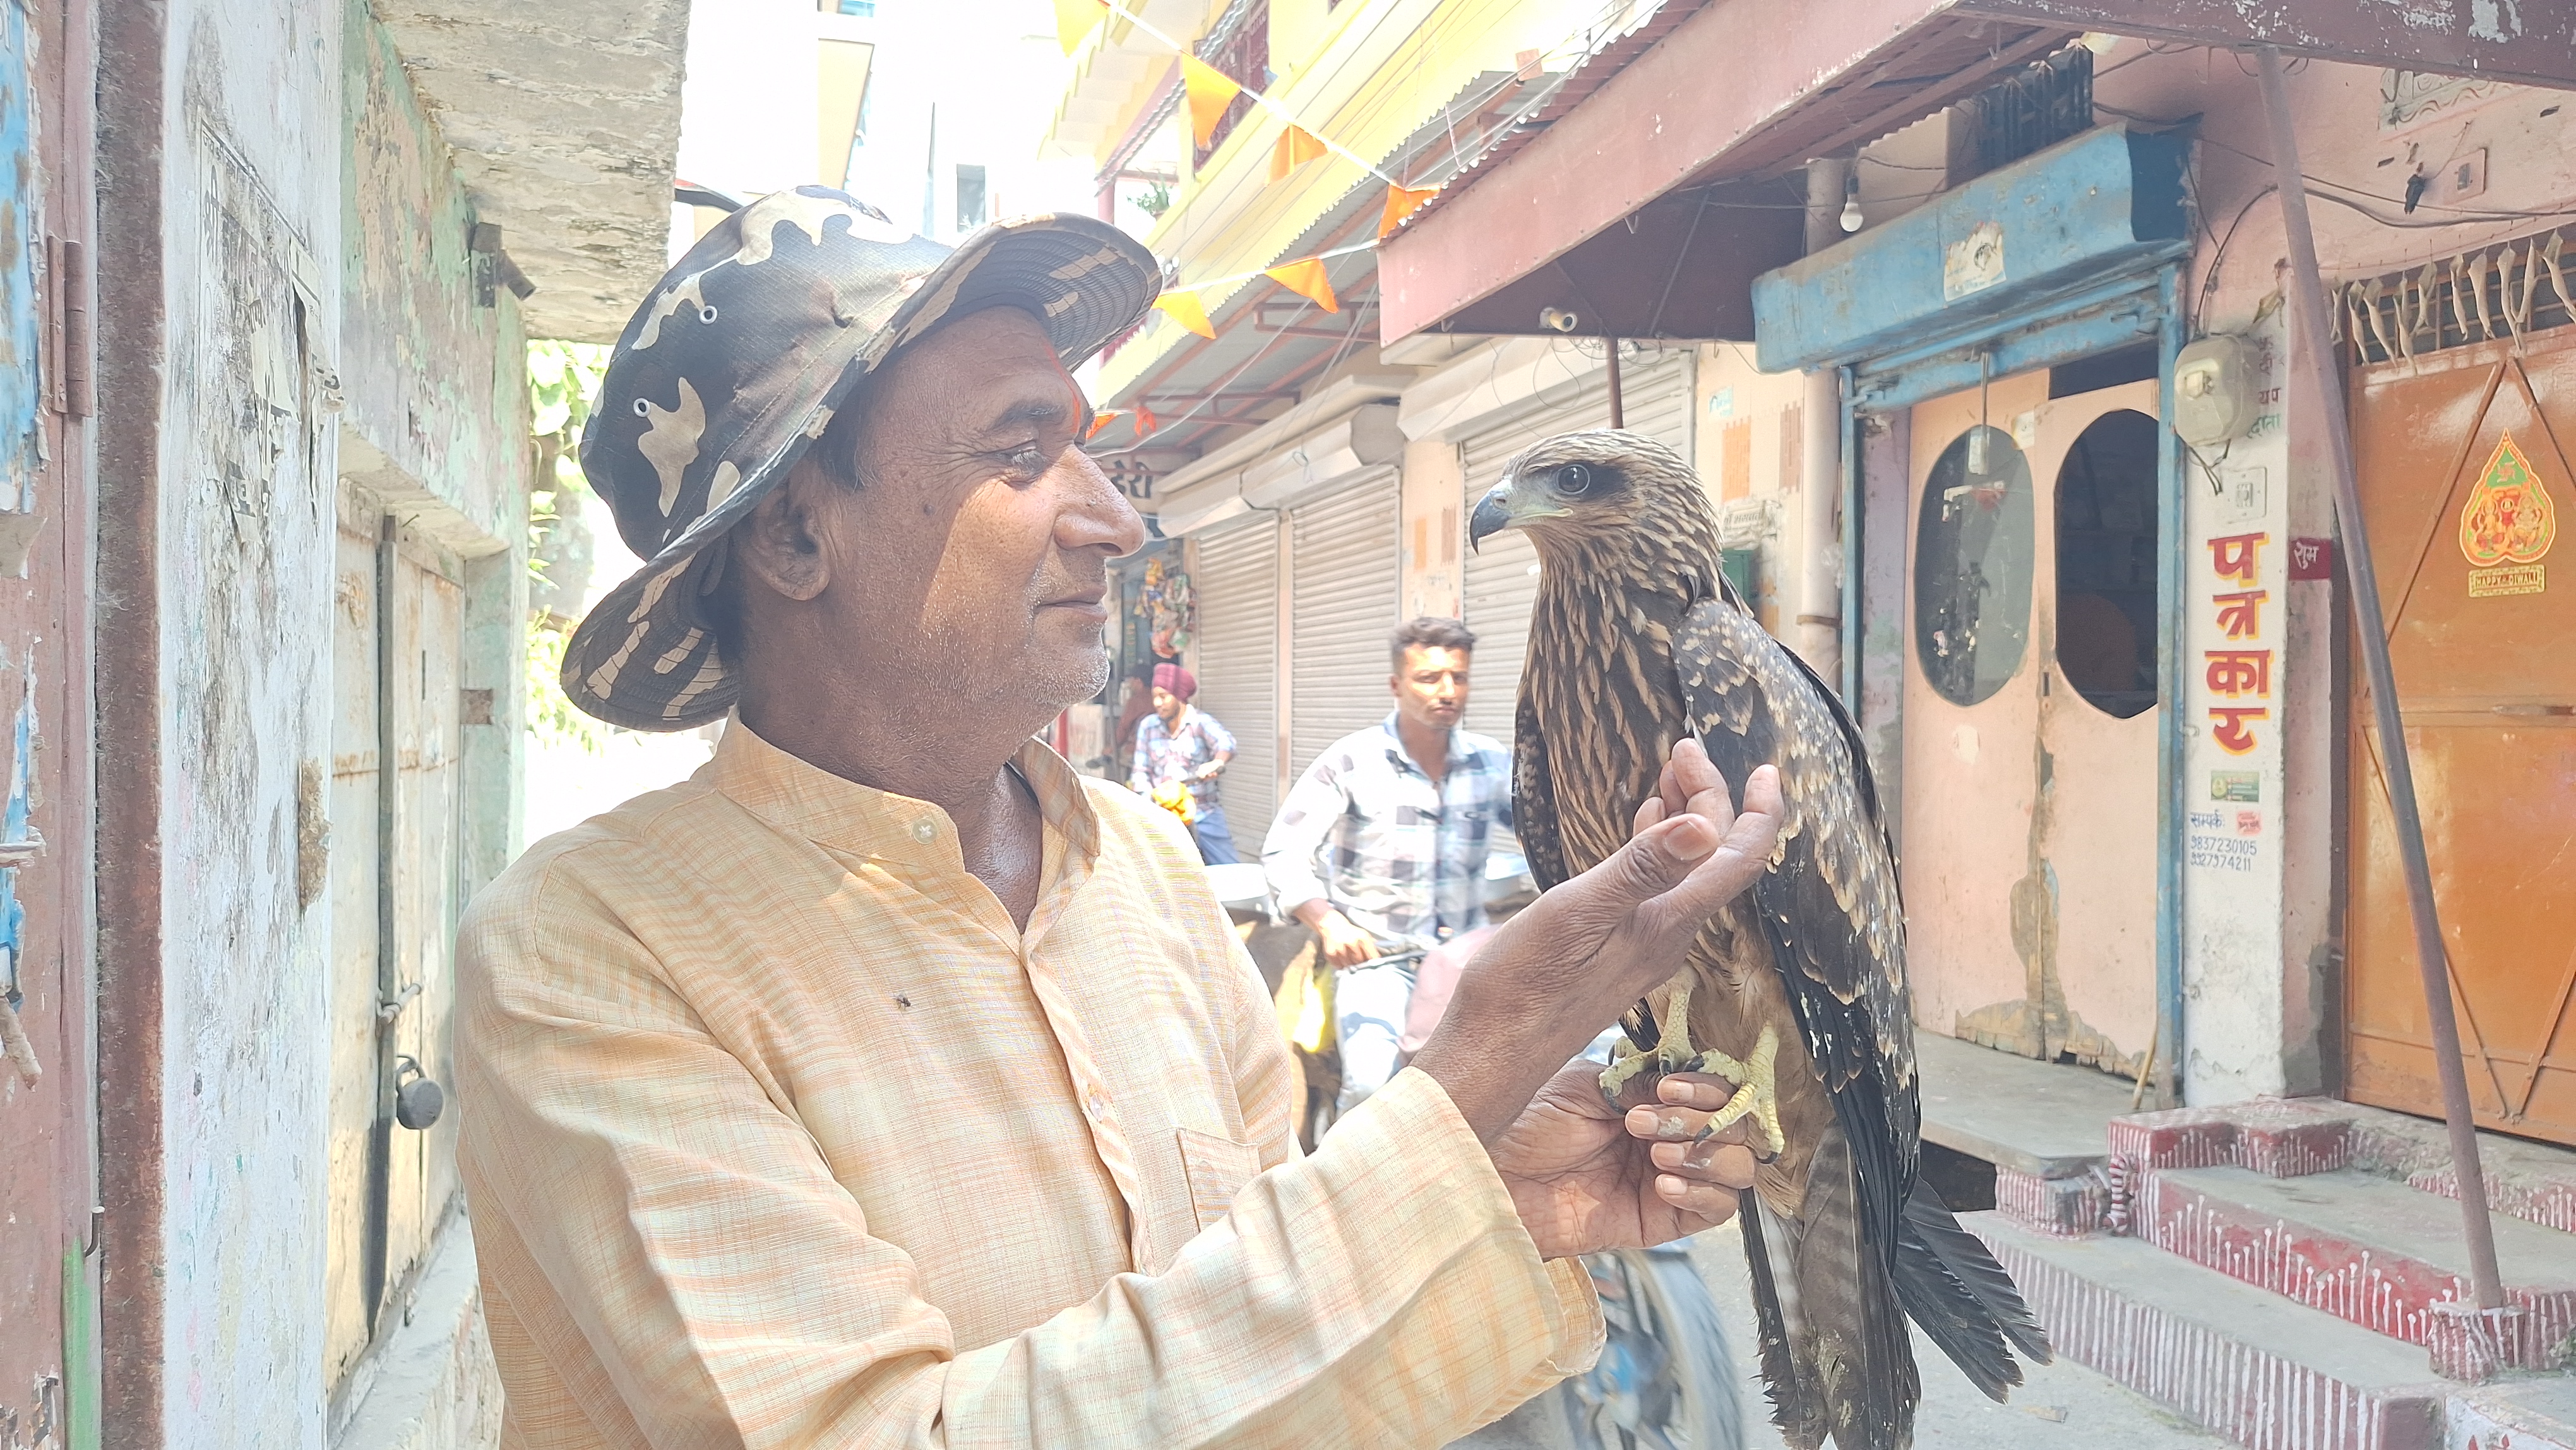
1756 1094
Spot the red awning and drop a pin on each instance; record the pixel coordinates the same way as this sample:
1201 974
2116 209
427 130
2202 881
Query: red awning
1741 90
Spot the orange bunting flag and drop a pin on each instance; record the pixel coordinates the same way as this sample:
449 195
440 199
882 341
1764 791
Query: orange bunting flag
1146 422
1075 19
1402 202
1296 147
1210 92
1186 309
1307 280
1100 420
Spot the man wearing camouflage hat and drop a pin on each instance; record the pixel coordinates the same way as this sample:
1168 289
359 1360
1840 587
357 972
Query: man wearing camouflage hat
887 1083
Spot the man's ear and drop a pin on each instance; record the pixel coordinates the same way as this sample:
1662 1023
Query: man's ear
779 544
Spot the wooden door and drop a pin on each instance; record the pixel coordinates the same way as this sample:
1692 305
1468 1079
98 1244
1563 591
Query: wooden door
2466 482
2030 720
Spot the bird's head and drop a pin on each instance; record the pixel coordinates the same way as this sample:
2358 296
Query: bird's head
1602 499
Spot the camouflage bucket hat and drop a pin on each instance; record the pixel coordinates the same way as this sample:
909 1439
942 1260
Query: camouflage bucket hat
733 367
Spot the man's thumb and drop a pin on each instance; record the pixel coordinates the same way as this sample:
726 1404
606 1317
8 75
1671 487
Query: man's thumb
1659 858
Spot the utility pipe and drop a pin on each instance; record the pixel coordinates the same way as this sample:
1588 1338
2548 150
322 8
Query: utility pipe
1816 593
1618 404
2308 296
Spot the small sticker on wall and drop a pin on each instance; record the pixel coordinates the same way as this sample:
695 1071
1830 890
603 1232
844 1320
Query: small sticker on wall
2236 785
2242 496
1973 263
2311 559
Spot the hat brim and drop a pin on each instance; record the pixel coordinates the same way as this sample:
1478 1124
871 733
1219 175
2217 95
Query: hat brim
642 658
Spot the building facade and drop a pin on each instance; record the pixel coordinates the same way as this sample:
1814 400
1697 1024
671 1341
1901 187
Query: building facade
274 269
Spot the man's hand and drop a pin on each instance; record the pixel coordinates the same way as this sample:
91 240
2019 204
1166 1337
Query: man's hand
1563 969
1345 945
1582 1181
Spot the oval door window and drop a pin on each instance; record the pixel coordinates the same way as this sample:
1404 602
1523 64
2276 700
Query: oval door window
1972 566
2106 563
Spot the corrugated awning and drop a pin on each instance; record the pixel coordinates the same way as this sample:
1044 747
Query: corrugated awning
1742 90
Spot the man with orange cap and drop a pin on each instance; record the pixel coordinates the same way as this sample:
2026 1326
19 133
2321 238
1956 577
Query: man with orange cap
1181 746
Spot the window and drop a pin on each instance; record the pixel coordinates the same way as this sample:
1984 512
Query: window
1243 57
2106 563
970 198
1973 547
864 9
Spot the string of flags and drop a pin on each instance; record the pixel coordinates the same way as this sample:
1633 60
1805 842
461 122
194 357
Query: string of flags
1208 92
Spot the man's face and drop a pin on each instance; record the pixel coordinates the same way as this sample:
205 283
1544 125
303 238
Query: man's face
1431 686
974 554
1167 705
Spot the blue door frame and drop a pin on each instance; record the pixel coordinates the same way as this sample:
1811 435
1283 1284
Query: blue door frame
2111 312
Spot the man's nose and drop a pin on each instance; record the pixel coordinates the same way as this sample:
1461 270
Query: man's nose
1096 514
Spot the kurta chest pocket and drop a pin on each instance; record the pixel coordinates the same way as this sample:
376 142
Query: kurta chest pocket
1217 1169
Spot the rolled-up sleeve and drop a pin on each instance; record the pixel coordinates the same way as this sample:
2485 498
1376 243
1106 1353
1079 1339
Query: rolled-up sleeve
657 1228
1297 834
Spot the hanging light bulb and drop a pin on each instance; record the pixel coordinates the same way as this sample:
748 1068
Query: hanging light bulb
1851 201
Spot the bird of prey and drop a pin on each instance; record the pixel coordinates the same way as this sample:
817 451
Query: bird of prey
1796 992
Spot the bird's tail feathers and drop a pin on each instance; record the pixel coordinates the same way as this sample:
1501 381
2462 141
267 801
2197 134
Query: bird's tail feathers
1964 1300
1835 1354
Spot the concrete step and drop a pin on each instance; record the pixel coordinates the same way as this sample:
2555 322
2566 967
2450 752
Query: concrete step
2251 1365
2531 1412
2368 1250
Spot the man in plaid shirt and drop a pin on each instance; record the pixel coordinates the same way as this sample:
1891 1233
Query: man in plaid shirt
1381 845
1181 744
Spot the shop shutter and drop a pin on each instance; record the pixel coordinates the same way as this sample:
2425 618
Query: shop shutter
1344 593
1236 579
1501 577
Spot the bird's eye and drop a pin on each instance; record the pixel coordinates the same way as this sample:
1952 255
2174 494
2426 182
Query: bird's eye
1574 480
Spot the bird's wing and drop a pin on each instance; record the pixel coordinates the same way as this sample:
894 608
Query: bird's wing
1534 800
1830 902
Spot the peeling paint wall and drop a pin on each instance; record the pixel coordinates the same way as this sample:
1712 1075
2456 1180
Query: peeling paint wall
325 319
252 191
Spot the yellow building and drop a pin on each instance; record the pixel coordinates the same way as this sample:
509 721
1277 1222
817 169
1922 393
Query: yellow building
1315 488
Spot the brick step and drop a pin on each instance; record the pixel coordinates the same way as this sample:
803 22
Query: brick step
2253 1366
2368 1250
2289 1137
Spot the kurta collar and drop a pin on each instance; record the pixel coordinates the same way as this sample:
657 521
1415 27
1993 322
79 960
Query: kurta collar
805 800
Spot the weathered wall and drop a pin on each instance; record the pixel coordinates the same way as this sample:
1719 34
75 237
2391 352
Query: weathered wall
253 215
2262 967
433 368
323 317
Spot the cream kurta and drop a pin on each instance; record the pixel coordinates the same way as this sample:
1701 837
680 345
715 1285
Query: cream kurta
778 1133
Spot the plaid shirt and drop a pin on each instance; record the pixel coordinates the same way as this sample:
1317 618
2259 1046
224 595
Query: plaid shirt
1399 856
1165 755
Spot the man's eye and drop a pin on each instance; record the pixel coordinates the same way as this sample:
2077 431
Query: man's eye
1030 460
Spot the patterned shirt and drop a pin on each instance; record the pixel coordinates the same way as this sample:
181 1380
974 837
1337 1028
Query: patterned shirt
779 1133
1164 754
1398 855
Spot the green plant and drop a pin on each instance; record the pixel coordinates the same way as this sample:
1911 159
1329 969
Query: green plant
1154 200
563 379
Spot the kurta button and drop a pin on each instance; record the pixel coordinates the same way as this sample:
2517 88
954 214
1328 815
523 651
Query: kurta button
1098 1106
924 832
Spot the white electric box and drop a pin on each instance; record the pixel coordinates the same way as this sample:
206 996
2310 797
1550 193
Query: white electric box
2213 393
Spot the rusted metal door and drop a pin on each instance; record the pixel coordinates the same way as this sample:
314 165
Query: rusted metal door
2466 480
2030 720
48 1161
397 662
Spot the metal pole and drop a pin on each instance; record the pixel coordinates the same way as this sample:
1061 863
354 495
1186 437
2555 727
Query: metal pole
2309 297
1618 406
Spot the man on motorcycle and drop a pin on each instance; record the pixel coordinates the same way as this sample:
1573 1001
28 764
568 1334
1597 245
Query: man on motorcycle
1381 845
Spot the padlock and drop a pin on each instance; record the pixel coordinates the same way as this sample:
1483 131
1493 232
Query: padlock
419 1101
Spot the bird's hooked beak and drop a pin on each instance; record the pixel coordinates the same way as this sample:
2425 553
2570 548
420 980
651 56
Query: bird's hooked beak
1505 506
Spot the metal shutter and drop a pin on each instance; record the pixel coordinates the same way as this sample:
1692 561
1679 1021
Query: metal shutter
1344 593
1501 577
1236 580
